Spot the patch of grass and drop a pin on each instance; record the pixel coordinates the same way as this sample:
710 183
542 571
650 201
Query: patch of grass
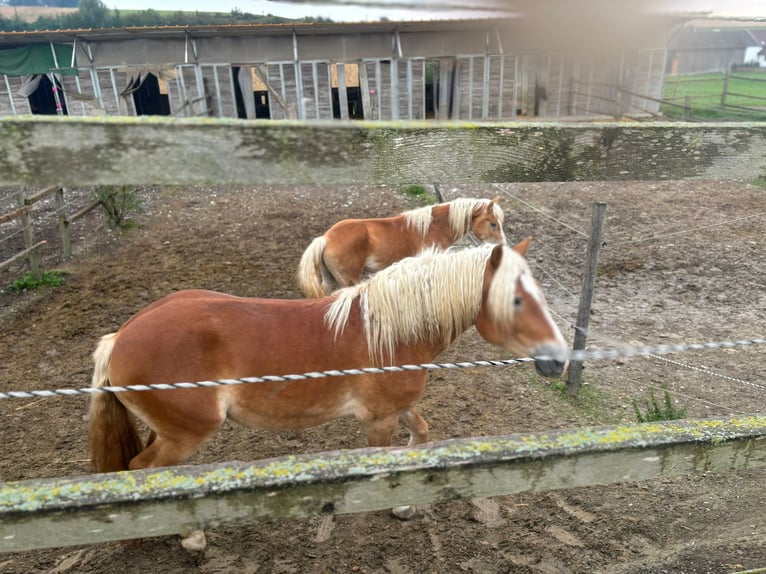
656 412
419 192
705 90
591 402
28 282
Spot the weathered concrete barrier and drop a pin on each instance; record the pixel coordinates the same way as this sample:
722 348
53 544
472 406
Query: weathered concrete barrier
156 150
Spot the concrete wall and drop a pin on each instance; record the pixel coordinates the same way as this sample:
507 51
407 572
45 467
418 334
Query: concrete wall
84 151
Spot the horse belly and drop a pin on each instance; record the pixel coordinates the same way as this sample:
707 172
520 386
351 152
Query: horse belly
291 407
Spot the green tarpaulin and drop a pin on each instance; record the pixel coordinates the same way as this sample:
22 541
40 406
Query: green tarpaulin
37 59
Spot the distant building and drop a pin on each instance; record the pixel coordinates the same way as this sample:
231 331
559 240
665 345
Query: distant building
757 54
484 69
704 49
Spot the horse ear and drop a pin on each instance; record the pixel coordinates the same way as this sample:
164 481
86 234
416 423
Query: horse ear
522 246
491 204
496 199
496 256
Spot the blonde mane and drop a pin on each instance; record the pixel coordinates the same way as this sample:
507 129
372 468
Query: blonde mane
433 296
419 219
461 212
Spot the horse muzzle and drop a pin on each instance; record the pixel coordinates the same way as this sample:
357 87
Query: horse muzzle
550 360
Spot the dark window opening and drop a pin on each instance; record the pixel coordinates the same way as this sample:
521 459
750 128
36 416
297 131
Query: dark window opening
148 99
43 100
262 104
431 69
354 98
431 99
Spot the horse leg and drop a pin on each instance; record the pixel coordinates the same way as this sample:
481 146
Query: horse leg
329 282
162 451
343 265
380 432
418 428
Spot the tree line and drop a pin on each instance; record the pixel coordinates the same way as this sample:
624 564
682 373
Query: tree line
95 14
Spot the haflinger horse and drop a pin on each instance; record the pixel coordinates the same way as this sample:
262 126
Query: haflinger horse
406 314
353 247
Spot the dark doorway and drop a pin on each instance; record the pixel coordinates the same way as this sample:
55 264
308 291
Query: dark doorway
148 99
262 105
355 109
240 102
43 101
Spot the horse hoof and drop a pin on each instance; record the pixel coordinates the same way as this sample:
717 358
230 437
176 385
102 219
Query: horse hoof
404 512
194 541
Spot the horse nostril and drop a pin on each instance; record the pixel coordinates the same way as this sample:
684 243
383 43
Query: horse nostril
550 361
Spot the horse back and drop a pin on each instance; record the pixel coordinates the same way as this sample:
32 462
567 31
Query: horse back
371 244
209 334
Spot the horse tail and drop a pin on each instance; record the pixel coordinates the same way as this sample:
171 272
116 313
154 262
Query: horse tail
310 269
112 436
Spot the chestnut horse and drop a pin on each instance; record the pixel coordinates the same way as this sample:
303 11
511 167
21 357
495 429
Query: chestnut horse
352 247
407 313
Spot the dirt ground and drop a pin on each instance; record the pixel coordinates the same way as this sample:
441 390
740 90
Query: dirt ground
683 261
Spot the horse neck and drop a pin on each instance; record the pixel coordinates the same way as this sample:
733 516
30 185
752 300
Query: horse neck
440 232
427 302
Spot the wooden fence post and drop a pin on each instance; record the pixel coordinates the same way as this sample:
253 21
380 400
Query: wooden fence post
725 88
29 235
63 222
586 295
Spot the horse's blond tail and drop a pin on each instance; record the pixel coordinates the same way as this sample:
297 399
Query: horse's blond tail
310 269
112 436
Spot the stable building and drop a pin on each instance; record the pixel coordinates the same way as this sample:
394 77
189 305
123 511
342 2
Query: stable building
482 69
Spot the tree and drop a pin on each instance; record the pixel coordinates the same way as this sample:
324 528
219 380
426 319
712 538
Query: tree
94 13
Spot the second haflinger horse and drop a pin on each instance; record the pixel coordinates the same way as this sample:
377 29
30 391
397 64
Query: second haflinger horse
407 313
353 247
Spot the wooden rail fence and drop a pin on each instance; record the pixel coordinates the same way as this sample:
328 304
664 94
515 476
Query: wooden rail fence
24 214
124 505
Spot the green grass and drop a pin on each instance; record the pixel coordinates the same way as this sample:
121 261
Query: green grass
655 412
591 402
704 91
28 282
419 192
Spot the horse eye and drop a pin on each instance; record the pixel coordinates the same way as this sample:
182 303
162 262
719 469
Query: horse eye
493 225
517 301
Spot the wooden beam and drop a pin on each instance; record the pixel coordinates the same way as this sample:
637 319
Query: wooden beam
157 150
90 509
11 260
16 213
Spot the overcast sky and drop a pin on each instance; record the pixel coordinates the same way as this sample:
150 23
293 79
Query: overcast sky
736 8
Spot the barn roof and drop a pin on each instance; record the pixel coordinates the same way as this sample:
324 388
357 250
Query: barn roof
690 38
239 30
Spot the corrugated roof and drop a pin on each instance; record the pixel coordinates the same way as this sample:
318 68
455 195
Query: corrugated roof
710 39
234 30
